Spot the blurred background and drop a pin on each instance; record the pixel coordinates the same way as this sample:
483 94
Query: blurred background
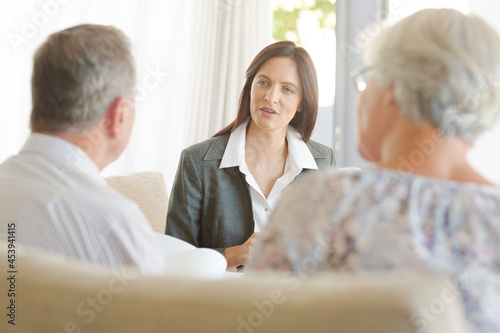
191 57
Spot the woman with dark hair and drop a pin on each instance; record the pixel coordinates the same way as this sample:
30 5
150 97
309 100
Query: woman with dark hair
226 187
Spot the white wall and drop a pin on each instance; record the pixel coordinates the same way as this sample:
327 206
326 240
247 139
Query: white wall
484 156
488 10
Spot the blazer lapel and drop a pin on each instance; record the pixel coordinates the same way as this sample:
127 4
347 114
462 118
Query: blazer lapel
217 148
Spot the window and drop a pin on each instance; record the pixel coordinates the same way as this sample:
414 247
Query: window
311 24
401 8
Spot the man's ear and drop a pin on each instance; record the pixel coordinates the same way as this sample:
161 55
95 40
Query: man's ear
114 119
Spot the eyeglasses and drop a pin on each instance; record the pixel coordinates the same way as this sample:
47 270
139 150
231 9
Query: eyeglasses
360 78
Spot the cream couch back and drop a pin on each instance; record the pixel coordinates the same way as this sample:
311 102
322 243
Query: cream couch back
54 294
148 190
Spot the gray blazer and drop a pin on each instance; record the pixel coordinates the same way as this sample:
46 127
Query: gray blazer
211 207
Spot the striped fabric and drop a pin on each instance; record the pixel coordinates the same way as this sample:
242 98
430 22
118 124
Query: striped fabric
54 195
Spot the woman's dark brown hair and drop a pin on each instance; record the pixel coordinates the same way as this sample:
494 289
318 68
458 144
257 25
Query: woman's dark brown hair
303 121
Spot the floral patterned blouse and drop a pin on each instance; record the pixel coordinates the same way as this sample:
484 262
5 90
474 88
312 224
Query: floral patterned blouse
381 220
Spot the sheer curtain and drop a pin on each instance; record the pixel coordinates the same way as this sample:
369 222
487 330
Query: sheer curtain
191 57
230 35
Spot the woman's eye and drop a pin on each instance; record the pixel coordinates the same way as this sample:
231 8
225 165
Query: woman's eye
261 83
288 90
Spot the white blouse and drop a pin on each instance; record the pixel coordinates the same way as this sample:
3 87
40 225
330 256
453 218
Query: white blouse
299 158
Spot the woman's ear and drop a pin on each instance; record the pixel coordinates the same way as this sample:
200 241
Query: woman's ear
389 99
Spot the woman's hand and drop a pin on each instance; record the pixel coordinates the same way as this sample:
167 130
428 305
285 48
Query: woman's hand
238 255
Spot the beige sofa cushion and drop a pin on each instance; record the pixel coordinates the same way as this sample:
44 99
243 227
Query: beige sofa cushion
148 190
54 294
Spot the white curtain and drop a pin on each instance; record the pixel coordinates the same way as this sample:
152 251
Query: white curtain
191 58
230 35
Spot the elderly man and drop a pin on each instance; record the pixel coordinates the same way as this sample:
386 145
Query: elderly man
83 88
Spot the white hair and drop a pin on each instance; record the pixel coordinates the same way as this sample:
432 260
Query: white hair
77 74
445 70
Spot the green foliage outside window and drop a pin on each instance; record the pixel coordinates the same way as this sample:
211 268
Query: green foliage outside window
287 14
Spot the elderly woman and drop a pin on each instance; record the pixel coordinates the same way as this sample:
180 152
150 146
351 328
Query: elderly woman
226 187
432 88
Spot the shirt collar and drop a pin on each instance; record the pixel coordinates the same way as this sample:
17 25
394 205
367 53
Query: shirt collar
299 155
64 154
235 149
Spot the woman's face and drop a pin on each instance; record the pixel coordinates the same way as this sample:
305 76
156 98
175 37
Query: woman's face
275 95
375 120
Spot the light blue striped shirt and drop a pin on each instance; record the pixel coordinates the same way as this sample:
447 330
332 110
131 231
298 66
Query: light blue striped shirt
54 194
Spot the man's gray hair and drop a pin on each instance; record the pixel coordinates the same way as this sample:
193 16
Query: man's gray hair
445 69
77 74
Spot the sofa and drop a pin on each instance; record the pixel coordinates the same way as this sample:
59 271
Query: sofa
50 293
